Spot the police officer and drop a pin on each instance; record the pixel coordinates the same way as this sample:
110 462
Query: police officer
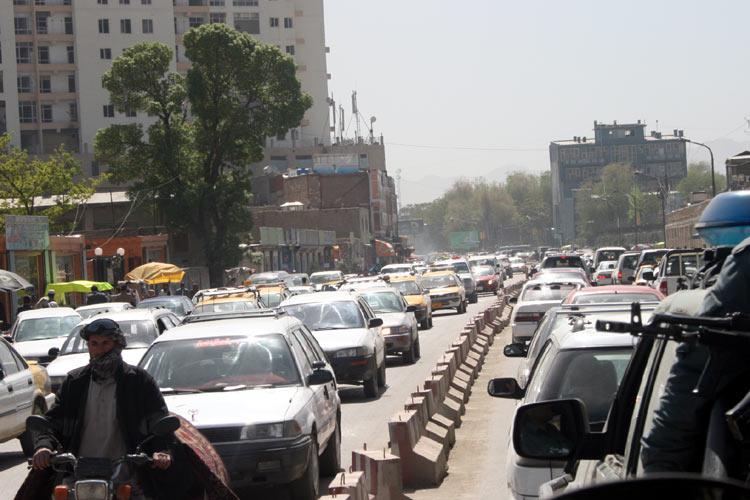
701 375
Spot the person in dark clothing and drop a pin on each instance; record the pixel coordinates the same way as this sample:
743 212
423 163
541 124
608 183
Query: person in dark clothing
193 291
96 297
124 295
26 305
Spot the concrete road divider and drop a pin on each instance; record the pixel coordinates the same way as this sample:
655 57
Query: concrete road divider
424 461
440 429
382 472
349 483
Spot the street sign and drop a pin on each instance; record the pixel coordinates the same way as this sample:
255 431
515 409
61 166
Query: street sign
26 232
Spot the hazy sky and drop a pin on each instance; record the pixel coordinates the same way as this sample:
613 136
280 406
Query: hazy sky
499 74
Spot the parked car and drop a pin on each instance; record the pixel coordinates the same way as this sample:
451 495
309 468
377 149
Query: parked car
400 328
575 362
613 293
415 296
180 305
24 391
106 307
331 278
625 270
349 333
488 278
462 269
37 331
261 389
535 299
676 269
607 253
446 290
603 274
140 328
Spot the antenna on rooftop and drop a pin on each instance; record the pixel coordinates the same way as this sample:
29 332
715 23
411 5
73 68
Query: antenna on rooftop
355 112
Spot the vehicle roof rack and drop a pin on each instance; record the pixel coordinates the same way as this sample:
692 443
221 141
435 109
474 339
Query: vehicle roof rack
214 316
225 291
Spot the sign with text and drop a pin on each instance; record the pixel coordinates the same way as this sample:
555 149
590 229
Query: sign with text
26 232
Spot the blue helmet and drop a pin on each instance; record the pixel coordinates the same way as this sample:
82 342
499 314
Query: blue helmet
726 219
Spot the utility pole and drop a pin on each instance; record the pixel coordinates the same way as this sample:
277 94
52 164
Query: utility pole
333 109
713 175
355 112
342 124
398 186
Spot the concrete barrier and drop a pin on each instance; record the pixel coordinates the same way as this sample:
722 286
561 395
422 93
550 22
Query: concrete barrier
351 484
446 407
382 471
423 461
442 431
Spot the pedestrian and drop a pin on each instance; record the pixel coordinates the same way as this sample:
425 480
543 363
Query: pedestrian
96 297
194 290
151 293
182 290
124 295
164 291
26 305
51 298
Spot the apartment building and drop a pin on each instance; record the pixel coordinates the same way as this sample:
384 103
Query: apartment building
53 54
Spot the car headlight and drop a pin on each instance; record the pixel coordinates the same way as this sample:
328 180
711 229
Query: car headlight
396 330
92 490
275 430
353 352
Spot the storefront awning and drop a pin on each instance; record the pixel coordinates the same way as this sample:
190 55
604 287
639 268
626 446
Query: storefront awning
80 286
384 249
156 272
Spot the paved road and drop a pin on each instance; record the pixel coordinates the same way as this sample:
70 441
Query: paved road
364 420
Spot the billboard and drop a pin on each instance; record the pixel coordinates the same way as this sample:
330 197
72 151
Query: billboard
26 232
464 240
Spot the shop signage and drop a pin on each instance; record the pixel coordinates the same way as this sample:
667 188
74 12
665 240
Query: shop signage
26 232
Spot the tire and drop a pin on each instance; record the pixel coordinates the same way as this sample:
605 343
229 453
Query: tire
462 308
370 386
474 299
412 354
306 487
381 375
417 349
425 323
27 444
330 460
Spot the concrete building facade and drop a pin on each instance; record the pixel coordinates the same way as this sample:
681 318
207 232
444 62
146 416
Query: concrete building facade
576 162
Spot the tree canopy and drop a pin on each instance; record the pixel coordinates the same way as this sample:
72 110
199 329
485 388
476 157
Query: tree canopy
699 179
209 126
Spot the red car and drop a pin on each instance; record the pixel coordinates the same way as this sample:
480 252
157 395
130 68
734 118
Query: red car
613 293
487 279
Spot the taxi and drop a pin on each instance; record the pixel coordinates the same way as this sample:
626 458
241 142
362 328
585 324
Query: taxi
273 294
415 295
446 290
226 299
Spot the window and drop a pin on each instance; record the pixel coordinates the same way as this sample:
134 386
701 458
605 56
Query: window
71 54
24 52
25 84
102 2
194 22
245 3
147 25
46 111
105 53
273 22
301 356
72 82
124 2
217 17
177 53
247 22
73 111
2 87
103 25
43 55
22 25
68 25
290 50
27 111
125 26
216 3
108 110
145 2
41 22
288 22
95 171
45 84
9 364
130 113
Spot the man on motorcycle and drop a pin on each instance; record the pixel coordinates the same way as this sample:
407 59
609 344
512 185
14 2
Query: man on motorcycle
105 409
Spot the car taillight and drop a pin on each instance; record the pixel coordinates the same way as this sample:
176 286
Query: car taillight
619 276
663 288
601 277
532 317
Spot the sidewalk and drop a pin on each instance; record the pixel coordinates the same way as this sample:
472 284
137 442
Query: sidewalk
476 468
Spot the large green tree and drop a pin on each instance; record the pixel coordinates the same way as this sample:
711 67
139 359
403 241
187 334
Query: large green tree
25 180
208 127
699 179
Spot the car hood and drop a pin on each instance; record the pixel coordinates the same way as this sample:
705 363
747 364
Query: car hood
394 319
333 340
415 300
38 348
486 278
234 408
65 364
438 292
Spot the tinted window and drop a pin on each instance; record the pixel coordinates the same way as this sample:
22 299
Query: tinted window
407 287
138 334
608 255
45 328
547 292
629 261
562 261
384 302
328 315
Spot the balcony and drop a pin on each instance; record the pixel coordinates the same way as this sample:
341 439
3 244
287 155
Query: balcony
191 6
57 8
46 37
46 68
48 125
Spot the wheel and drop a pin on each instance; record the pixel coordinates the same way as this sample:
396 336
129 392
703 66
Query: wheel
381 375
27 444
474 299
417 349
412 354
370 386
330 461
306 487
462 308
431 321
425 323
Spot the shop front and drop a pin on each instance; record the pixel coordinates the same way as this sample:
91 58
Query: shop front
111 259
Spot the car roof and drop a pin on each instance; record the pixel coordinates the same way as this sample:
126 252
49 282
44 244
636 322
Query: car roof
47 312
163 298
230 326
590 290
378 289
606 249
399 277
327 272
444 272
103 305
318 297
590 337
126 315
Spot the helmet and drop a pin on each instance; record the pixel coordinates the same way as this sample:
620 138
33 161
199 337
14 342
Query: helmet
726 219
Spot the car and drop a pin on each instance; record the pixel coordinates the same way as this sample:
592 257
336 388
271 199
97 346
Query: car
181 305
139 326
607 253
363 282
226 299
677 268
397 268
645 276
576 361
300 290
650 257
37 331
105 307
24 391
400 327
326 278
462 269
298 279
267 277
349 333
625 270
518 265
446 290
603 273
259 387
416 296
488 279
613 293
484 260
272 294
562 261
535 298
564 274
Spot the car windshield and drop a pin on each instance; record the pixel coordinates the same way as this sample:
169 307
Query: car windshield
339 315
45 328
546 292
300 280
221 364
395 269
264 278
406 287
483 271
562 261
87 313
176 306
483 262
430 282
220 307
271 298
460 267
138 334
515 260
604 298
384 302
319 279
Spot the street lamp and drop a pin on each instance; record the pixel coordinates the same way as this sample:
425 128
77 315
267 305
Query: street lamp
713 176
98 251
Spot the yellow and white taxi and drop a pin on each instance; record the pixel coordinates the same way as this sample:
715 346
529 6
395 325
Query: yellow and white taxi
415 295
446 290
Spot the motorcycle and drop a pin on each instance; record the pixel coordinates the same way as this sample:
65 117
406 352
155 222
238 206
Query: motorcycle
94 478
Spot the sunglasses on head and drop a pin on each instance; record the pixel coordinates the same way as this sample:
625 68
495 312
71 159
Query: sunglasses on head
101 325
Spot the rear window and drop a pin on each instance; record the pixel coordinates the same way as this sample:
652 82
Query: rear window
604 298
629 262
547 292
562 261
608 255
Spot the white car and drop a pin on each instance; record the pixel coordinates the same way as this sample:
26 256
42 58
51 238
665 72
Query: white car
260 389
140 327
349 333
397 269
37 331
603 274
24 390
518 265
400 327
535 299
105 307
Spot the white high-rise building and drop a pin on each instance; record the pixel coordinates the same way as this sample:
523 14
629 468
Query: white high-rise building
53 54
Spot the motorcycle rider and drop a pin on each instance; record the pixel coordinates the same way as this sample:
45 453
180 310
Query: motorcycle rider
106 408
701 375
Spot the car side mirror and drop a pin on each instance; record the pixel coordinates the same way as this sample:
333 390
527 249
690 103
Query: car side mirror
513 300
550 430
53 353
515 350
507 388
411 309
320 377
375 322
